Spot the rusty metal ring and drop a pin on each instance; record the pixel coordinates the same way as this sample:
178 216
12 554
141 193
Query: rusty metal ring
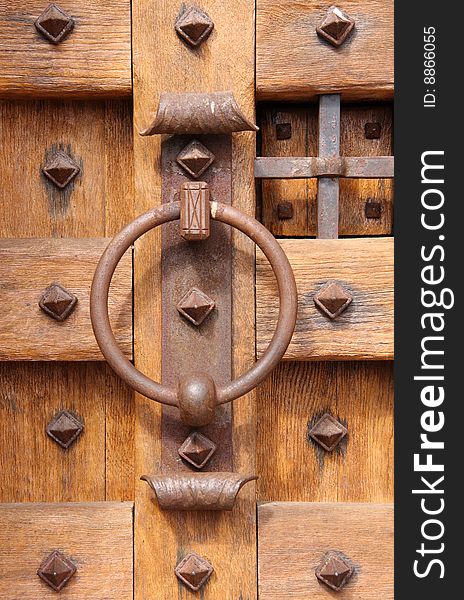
99 304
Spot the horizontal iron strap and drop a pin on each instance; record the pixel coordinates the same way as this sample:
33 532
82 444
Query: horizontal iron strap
369 167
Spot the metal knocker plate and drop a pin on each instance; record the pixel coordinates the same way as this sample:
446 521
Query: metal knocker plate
197 395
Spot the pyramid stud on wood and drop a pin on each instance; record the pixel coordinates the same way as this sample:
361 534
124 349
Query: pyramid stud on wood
57 302
56 570
285 210
195 158
372 131
64 428
60 169
195 306
328 432
373 209
194 571
336 26
333 299
197 449
54 24
334 570
194 25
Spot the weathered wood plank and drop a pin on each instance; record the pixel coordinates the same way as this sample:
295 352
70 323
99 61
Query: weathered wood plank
98 136
293 538
293 63
97 466
96 204
354 193
29 266
301 127
294 468
93 60
162 62
96 536
364 331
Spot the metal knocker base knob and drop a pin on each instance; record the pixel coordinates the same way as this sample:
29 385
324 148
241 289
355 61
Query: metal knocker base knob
197 395
197 398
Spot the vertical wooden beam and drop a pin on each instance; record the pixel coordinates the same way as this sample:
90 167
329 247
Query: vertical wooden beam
163 62
99 466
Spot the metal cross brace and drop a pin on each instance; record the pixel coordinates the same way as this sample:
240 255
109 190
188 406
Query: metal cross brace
328 167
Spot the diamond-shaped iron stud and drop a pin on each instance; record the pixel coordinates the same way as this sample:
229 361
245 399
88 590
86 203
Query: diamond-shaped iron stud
64 428
333 299
56 570
197 449
328 432
372 209
372 131
283 131
335 26
195 306
195 158
57 302
334 570
54 24
285 210
60 168
194 25
194 571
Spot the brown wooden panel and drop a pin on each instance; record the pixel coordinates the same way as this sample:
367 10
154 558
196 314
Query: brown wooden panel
27 267
96 536
293 538
93 60
98 465
98 136
292 467
364 331
293 63
301 193
162 62
354 193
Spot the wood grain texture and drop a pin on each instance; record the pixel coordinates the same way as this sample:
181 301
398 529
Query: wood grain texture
293 538
162 62
27 268
302 193
293 63
98 135
98 465
96 536
292 467
364 331
354 193
93 60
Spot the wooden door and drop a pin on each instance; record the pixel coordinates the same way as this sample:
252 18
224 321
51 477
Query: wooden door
325 417
78 86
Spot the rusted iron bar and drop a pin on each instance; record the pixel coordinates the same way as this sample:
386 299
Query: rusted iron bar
329 147
281 167
328 167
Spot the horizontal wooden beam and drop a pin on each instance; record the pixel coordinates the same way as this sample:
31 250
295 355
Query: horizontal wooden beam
294 537
96 536
364 331
294 63
93 60
27 268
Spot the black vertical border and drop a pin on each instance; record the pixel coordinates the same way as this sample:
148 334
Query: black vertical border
418 129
